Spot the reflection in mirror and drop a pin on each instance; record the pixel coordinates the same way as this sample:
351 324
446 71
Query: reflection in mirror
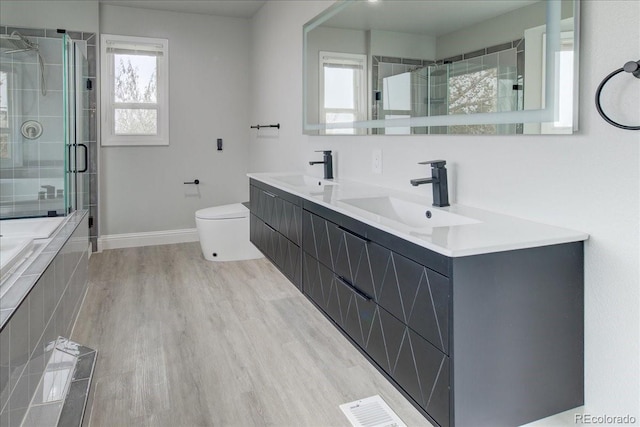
342 78
442 67
10 106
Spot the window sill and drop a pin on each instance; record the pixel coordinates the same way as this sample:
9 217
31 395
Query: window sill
135 142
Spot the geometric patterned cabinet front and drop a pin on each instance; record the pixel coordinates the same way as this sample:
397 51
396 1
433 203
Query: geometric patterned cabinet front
484 340
394 309
416 295
418 367
494 339
275 229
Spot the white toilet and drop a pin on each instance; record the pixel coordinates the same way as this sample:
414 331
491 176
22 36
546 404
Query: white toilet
224 233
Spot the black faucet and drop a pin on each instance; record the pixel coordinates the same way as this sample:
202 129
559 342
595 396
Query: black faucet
438 181
327 162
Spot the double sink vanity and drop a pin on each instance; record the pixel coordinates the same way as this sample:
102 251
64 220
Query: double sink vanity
476 317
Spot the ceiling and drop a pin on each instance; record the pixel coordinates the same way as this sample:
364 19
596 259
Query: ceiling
430 17
231 8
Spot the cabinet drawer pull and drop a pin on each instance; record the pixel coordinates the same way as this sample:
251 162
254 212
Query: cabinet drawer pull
269 194
270 227
350 285
356 235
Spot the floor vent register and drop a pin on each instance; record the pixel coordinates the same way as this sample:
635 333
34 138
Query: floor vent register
371 412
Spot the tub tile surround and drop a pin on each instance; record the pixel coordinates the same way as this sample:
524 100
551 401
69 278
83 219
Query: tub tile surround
21 281
90 133
46 304
63 390
494 232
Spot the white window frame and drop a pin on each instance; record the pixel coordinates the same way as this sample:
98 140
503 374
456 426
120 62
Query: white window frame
108 104
357 61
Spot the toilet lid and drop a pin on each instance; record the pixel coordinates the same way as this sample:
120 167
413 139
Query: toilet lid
235 210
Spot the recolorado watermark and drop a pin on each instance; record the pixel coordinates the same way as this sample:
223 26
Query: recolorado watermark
604 419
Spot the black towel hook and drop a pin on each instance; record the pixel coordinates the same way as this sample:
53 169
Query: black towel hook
632 67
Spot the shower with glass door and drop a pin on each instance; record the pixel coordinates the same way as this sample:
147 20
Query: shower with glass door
43 121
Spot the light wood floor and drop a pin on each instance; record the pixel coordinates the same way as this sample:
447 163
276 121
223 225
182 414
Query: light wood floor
186 342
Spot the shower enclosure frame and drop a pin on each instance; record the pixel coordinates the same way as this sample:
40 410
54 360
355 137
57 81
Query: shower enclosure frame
89 135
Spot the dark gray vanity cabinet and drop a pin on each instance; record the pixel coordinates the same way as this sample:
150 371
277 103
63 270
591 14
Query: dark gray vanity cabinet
415 294
484 340
276 228
494 339
394 309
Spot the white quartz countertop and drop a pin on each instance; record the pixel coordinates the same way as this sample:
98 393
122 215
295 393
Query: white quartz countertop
488 232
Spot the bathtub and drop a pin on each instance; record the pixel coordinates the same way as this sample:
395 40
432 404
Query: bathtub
34 228
20 237
13 250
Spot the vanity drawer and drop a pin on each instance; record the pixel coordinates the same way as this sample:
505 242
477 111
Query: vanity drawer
417 366
285 254
347 254
418 296
346 306
280 210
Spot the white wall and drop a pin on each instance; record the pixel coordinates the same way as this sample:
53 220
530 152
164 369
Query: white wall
501 29
588 181
402 45
70 15
142 188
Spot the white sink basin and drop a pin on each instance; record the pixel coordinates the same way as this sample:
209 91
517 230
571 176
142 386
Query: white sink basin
411 214
303 181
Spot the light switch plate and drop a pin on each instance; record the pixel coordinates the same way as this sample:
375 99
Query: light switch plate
376 161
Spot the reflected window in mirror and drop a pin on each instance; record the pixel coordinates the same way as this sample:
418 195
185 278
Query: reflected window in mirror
460 66
343 90
10 114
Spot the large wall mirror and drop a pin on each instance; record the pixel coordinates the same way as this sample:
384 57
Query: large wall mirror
393 67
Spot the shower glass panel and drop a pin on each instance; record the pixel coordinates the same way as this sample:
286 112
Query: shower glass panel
484 84
38 176
32 151
77 125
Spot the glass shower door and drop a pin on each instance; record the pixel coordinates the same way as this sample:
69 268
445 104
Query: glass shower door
81 71
76 106
32 120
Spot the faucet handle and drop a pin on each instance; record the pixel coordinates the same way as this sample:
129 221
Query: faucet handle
323 151
434 163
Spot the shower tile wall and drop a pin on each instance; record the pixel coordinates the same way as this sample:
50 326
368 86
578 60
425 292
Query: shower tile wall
385 66
430 82
42 161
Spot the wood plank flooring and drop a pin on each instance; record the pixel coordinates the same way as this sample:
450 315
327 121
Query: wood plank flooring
186 342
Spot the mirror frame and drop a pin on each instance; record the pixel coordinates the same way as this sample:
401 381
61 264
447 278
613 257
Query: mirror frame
542 115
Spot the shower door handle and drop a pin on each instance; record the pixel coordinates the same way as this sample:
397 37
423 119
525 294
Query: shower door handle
86 158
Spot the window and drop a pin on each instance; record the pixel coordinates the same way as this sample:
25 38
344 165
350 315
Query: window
10 117
342 90
135 90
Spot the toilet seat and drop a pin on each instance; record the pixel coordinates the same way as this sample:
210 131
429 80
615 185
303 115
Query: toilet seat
234 210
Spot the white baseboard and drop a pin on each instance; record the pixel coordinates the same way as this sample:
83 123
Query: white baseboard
151 238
